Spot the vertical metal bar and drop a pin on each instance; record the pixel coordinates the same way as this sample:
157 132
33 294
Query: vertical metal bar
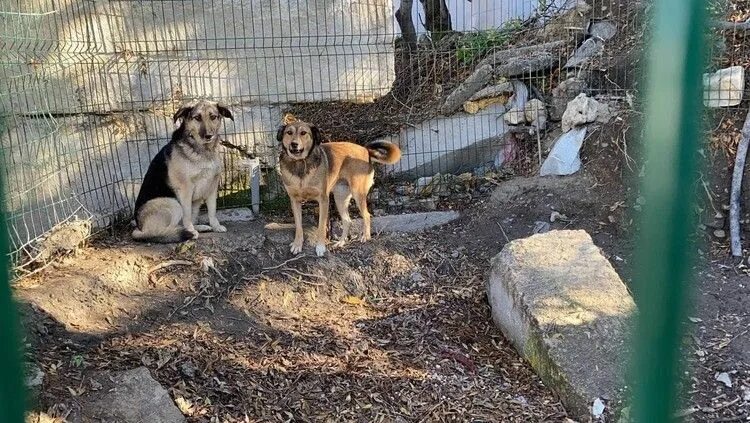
12 399
664 252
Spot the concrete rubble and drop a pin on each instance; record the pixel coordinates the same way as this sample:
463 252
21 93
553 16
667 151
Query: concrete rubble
565 309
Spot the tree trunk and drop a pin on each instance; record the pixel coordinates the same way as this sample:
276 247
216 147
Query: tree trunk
403 17
437 18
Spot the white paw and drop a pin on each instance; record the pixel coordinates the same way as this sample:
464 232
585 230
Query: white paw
219 228
193 232
364 238
296 247
338 244
202 228
320 250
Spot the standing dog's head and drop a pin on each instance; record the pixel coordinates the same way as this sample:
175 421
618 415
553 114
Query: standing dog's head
202 120
298 139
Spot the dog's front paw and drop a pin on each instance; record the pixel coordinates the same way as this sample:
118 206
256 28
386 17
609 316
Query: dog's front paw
295 247
339 244
193 233
219 228
364 238
320 250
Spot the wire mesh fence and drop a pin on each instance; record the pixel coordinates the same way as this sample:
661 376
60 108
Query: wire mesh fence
87 89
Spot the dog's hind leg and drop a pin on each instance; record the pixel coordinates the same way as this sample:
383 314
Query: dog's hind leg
342 196
159 221
360 198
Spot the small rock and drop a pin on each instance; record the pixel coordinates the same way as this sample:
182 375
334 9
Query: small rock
580 111
562 94
465 178
603 113
603 30
564 158
541 227
746 393
719 233
374 195
724 87
555 216
417 277
428 204
724 378
597 408
534 110
34 376
514 116
421 185
188 369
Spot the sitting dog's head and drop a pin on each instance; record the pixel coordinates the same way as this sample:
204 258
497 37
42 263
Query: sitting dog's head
202 120
298 139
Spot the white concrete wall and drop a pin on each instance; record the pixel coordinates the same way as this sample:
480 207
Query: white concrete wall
122 55
479 15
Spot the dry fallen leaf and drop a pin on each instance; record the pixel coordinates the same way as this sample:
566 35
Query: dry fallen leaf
351 299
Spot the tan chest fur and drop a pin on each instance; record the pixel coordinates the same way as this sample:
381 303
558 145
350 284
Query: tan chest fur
202 176
307 188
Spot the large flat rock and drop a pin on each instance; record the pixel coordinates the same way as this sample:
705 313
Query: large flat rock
565 309
132 396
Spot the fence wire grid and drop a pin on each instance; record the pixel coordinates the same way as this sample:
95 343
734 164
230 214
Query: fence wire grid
87 89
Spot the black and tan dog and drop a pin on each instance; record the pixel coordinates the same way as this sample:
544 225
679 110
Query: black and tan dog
181 177
311 171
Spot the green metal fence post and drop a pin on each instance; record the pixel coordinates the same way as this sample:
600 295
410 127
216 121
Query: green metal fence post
12 394
664 253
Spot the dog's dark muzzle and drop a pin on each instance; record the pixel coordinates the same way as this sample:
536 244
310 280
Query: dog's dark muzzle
295 149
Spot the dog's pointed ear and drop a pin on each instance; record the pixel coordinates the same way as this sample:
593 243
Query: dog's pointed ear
182 113
280 133
224 111
316 136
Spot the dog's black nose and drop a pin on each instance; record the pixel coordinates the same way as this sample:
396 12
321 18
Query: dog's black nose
294 146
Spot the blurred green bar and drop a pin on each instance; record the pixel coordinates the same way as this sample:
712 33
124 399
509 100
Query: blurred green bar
12 393
664 255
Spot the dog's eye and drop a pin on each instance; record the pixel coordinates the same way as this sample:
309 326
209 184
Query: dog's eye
289 133
213 117
303 133
197 117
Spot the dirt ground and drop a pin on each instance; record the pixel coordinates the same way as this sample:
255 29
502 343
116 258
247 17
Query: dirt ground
394 330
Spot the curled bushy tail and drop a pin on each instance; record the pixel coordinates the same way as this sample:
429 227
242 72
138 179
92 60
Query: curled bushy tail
163 236
383 152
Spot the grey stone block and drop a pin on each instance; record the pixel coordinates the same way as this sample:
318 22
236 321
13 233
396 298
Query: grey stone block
565 309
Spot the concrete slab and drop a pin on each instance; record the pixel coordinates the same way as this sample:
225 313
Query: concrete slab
452 144
565 309
410 222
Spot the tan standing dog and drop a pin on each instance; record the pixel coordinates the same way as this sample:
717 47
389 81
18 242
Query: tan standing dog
182 177
311 171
